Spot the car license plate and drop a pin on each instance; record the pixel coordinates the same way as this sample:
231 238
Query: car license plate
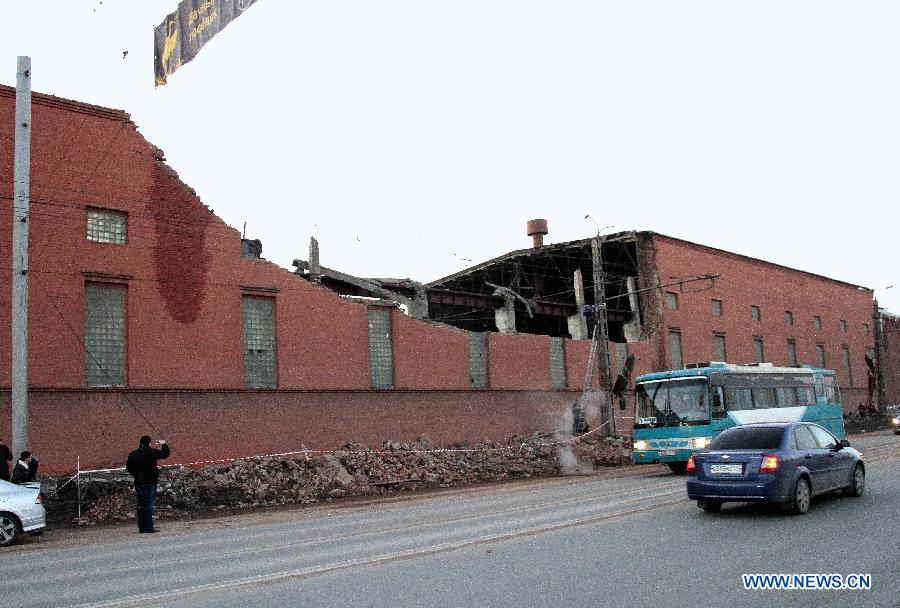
728 469
667 453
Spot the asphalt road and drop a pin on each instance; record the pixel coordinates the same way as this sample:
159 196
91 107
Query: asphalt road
621 538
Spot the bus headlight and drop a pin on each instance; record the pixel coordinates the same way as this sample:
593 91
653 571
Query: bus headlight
896 421
701 443
640 445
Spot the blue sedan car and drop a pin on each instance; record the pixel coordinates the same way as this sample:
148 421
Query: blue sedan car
786 463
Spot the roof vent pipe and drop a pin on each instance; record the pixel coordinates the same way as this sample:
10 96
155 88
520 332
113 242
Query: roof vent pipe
536 230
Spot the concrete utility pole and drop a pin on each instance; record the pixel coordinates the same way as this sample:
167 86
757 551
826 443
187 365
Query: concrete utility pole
602 331
21 186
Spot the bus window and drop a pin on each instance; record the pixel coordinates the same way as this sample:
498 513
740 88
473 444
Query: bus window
763 397
718 403
786 396
738 399
820 389
805 395
831 395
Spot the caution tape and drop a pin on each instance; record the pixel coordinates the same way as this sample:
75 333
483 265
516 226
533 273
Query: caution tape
308 452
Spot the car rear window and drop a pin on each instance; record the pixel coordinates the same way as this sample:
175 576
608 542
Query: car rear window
764 438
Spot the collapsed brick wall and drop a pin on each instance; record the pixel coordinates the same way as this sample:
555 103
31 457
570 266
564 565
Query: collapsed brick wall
354 470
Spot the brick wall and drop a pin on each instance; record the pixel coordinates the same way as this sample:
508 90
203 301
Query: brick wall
745 282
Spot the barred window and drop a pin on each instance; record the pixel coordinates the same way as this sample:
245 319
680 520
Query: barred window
104 334
758 347
558 362
105 226
381 352
478 359
675 356
259 342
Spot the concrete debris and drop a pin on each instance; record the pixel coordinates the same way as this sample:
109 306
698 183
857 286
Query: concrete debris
353 470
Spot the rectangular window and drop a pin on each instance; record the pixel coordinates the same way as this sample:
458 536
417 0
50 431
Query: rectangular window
738 398
671 300
820 355
788 317
717 308
758 347
558 363
381 351
764 397
832 395
792 353
817 322
843 326
259 342
866 328
754 313
478 359
104 334
105 226
675 350
719 346
848 369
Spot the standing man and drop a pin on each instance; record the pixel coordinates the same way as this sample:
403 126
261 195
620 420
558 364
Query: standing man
5 457
142 466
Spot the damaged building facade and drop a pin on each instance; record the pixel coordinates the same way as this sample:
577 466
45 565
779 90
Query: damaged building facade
670 303
149 314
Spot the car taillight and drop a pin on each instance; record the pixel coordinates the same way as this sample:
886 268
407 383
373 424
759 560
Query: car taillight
39 499
769 464
691 467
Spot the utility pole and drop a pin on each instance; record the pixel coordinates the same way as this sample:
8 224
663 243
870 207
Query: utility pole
21 186
602 331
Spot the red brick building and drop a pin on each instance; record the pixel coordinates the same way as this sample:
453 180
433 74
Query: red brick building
148 314
145 317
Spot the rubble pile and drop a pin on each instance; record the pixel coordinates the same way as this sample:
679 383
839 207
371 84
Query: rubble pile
353 470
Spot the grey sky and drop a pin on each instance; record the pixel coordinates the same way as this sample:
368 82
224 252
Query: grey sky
412 136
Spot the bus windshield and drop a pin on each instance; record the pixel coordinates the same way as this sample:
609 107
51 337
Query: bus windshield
672 403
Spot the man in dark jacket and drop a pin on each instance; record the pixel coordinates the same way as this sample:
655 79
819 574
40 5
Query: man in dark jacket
5 457
142 466
26 469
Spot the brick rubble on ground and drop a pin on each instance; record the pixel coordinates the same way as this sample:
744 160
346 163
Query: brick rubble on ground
353 470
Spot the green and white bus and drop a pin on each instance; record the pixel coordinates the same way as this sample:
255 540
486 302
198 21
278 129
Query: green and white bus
678 412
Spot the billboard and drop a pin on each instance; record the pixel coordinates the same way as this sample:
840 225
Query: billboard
182 34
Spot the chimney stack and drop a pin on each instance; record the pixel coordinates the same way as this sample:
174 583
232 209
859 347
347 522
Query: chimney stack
536 230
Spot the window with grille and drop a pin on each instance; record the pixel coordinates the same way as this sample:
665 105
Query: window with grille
478 359
675 354
820 355
754 313
105 226
259 342
104 334
792 353
758 347
719 343
848 369
557 363
671 300
381 352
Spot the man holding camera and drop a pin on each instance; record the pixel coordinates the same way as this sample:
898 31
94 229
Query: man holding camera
142 466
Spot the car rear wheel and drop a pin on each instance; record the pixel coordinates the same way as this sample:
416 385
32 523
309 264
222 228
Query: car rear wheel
9 529
710 506
858 484
802 497
678 467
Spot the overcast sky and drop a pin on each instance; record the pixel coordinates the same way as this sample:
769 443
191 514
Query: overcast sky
417 137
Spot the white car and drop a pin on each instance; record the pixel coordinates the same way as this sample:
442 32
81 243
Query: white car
21 510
